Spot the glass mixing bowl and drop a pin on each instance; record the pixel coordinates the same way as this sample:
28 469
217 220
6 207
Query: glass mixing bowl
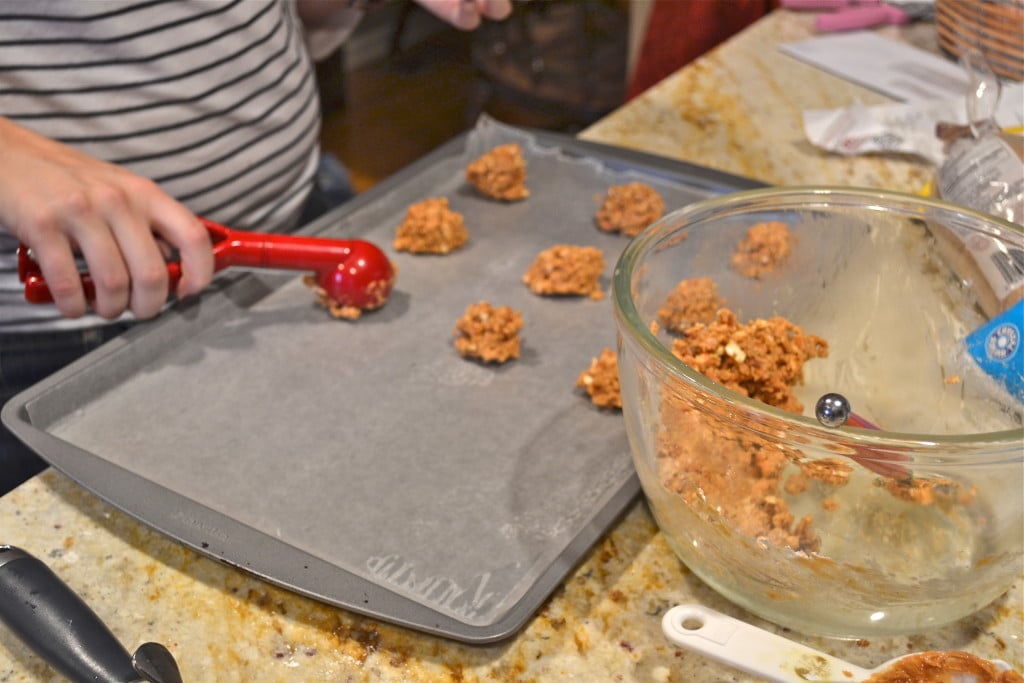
849 531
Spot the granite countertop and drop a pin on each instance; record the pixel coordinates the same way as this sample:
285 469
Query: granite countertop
738 110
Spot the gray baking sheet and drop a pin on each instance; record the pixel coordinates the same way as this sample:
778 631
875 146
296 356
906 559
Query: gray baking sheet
366 464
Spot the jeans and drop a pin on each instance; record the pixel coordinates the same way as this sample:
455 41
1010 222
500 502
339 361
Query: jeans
26 359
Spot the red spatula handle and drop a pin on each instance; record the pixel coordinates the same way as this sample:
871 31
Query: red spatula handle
268 250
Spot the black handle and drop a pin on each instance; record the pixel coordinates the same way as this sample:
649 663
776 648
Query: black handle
57 624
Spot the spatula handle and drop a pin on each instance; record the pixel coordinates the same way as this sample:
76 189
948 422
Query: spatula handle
751 649
271 250
38 607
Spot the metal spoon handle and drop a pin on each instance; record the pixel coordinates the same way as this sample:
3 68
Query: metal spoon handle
51 619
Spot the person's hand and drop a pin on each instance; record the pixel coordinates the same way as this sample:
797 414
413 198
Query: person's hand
467 14
58 201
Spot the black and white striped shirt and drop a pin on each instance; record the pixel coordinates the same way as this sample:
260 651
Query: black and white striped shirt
214 100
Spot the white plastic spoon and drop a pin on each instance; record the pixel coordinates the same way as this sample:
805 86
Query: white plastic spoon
761 653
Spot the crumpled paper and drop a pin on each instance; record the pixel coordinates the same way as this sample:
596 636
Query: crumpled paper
901 128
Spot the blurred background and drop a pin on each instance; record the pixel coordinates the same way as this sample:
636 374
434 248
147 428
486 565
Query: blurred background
405 82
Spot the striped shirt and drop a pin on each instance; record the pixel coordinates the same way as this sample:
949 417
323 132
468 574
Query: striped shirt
215 101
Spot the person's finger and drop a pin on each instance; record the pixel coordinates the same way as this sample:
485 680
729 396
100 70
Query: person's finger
105 263
147 271
495 9
462 14
181 229
55 257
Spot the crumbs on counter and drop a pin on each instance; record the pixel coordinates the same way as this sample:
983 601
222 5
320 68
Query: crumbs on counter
694 300
430 227
566 269
488 333
629 208
601 380
765 247
500 173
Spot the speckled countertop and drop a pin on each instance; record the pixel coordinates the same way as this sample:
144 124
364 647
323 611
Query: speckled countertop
737 109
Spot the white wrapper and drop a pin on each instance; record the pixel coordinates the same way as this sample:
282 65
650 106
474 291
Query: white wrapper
903 128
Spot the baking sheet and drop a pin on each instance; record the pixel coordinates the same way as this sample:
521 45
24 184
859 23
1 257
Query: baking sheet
366 464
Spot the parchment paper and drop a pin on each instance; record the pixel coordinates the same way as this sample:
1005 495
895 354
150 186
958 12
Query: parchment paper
372 445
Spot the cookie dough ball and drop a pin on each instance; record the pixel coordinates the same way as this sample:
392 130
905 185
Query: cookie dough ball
694 300
375 294
488 333
629 208
500 173
765 247
566 269
601 380
763 359
430 227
